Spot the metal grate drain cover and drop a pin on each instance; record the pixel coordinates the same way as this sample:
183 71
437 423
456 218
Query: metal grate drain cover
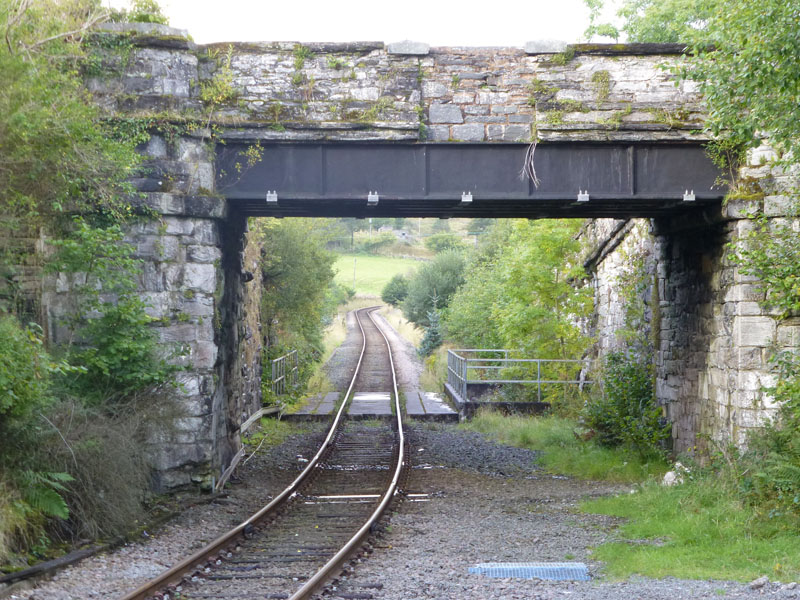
555 571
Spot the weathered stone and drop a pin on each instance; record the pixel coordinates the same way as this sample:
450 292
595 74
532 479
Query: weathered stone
407 47
203 254
445 113
471 132
545 47
517 133
438 133
434 89
754 331
200 277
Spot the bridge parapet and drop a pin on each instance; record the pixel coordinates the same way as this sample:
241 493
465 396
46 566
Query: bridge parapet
285 91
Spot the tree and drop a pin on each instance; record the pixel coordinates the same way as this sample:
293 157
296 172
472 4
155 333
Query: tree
443 241
297 271
743 55
438 279
433 335
524 292
396 290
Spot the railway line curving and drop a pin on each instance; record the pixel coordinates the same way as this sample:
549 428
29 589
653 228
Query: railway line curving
306 534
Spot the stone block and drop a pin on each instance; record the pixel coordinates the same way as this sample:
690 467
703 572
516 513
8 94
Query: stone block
206 207
203 254
754 331
438 133
407 47
434 89
485 119
366 94
520 118
749 309
204 354
463 97
200 277
198 306
445 113
205 232
471 132
788 336
204 331
476 109
494 133
750 358
157 304
778 206
545 47
517 133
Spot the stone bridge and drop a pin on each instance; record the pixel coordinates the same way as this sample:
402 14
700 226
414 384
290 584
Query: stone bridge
365 129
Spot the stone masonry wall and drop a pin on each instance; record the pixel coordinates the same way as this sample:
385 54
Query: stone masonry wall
713 337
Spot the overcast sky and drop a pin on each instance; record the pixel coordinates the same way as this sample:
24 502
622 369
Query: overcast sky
437 22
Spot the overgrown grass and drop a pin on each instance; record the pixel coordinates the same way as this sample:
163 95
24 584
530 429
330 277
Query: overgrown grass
273 432
697 530
434 376
372 272
407 329
562 452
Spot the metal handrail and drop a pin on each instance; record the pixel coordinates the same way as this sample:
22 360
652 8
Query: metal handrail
459 366
280 377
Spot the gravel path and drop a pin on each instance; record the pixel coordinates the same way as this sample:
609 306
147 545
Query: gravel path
485 503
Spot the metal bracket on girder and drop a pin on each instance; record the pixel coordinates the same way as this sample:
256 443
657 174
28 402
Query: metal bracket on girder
583 196
466 199
688 196
372 198
272 197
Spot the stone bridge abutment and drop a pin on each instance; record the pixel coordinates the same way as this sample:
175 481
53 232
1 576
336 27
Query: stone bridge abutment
201 273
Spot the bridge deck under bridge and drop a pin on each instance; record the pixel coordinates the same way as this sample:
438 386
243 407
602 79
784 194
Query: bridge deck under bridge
336 179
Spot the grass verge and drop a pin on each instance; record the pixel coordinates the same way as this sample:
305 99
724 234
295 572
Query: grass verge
273 432
562 451
372 273
698 530
406 329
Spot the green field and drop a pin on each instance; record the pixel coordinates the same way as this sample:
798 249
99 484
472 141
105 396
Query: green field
372 272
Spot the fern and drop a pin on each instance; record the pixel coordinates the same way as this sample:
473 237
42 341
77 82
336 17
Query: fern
40 491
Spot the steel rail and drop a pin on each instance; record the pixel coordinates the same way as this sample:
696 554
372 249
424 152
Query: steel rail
175 573
315 582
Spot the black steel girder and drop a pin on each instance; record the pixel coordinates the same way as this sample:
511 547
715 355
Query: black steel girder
334 179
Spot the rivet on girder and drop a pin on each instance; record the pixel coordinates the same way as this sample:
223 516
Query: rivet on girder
272 197
688 196
466 198
372 198
583 196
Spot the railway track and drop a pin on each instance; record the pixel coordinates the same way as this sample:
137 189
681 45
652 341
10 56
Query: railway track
306 534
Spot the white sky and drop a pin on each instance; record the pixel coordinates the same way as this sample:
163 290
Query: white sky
436 22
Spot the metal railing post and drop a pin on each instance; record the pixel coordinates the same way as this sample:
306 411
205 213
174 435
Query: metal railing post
538 380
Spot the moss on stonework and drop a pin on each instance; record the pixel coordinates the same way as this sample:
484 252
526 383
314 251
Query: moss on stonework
562 58
602 85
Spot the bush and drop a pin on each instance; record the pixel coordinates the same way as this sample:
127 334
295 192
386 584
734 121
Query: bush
24 371
433 335
627 413
441 242
396 290
376 243
433 286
